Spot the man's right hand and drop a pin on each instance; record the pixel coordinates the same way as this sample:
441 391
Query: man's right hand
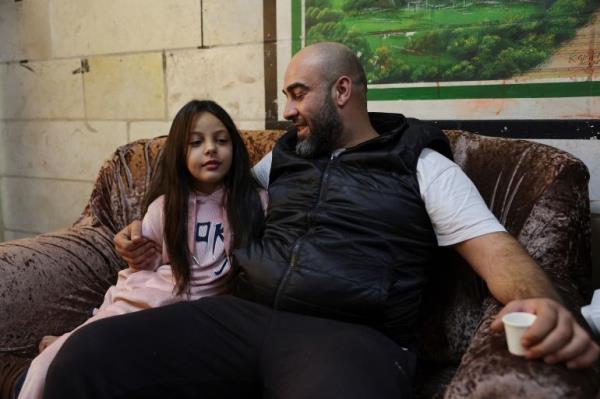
137 251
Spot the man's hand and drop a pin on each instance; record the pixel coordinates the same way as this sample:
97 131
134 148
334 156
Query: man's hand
555 335
137 251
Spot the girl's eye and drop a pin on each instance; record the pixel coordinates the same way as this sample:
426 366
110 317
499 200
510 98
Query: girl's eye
223 141
195 143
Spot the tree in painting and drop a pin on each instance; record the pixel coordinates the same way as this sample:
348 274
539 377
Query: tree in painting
447 40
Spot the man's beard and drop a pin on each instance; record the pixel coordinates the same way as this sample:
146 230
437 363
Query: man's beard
325 133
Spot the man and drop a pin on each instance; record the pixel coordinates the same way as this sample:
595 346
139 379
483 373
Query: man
326 304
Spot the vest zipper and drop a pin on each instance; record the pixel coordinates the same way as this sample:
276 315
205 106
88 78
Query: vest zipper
296 246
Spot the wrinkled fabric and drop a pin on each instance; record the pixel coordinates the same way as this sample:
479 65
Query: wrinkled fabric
541 196
49 284
488 370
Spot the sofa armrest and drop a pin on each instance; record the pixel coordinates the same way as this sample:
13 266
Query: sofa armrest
557 234
50 283
488 370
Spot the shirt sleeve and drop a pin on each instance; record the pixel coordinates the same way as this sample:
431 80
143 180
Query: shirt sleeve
455 207
152 224
262 170
152 228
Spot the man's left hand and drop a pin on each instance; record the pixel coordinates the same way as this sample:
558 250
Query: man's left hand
555 335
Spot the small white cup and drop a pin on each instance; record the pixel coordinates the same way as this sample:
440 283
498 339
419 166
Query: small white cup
592 316
515 324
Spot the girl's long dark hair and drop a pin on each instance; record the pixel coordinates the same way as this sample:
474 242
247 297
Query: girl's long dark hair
243 205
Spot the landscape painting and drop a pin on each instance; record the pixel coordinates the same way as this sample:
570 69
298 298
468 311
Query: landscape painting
460 59
457 40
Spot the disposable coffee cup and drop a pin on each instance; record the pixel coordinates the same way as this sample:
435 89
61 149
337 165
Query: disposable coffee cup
515 324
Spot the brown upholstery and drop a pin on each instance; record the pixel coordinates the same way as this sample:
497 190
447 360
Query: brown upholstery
50 283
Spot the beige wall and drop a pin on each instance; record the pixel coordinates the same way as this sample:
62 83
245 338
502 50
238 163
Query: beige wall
596 249
102 73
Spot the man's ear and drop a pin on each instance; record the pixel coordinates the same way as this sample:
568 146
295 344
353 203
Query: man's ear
343 90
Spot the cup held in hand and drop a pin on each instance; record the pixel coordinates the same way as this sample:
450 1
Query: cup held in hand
515 324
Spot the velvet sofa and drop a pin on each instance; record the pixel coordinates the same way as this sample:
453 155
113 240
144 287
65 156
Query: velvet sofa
50 283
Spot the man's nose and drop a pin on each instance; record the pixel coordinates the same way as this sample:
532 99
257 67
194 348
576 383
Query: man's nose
290 110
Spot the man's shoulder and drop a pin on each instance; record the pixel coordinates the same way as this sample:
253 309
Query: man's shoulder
419 135
431 165
415 125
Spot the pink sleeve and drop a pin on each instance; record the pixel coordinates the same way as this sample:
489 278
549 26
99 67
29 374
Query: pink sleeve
152 226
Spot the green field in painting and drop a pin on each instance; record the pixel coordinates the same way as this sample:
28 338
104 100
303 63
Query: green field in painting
460 40
405 20
389 28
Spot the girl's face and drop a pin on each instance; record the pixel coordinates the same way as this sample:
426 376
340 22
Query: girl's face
209 153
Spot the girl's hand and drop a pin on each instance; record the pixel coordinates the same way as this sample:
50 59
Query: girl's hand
46 341
137 251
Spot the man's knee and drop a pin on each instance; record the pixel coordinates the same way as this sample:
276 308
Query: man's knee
318 358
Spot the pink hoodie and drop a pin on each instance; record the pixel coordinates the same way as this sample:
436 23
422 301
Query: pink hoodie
209 241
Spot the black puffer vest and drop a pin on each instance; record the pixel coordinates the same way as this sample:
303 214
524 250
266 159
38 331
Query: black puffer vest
347 237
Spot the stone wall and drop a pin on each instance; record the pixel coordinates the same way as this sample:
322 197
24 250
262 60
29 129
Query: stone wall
80 77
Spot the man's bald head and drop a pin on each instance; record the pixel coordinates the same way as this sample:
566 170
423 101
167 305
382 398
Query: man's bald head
335 60
325 90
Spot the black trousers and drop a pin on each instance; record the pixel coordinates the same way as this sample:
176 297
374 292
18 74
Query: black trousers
226 347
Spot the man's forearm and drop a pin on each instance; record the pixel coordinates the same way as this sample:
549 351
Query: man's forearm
508 270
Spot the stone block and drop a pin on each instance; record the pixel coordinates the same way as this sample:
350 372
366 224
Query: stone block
231 76
125 87
91 27
42 205
2 153
25 30
148 130
1 220
284 21
232 22
15 235
60 150
49 89
251 125
596 249
151 129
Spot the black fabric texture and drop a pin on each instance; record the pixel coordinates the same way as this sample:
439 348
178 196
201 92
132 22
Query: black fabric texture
347 237
226 347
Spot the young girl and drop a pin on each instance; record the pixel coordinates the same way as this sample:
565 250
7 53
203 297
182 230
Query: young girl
202 194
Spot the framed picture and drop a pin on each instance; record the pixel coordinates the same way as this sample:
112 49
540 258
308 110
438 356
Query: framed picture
465 60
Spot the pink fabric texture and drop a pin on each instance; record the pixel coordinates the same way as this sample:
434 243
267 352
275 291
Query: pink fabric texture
208 242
